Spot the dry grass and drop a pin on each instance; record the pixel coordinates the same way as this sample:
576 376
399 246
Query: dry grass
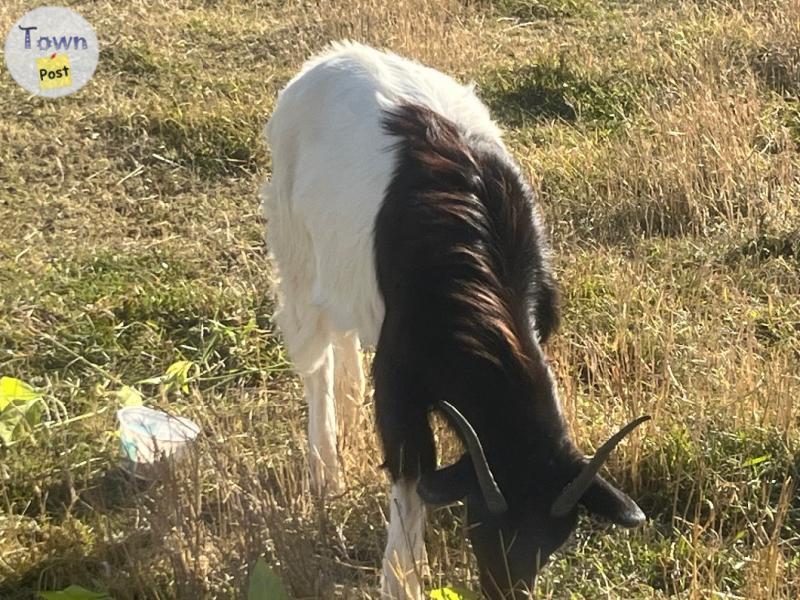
664 139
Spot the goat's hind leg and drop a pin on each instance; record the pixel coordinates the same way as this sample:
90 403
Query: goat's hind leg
326 476
348 383
304 326
308 340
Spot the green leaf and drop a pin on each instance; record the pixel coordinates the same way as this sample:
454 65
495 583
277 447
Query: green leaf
449 593
250 326
21 409
19 418
129 396
75 592
264 584
179 373
752 462
12 389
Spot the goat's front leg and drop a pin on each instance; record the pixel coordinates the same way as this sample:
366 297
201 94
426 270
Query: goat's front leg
405 557
401 415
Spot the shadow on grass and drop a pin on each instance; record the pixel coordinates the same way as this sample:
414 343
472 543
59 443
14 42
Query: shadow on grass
76 566
711 500
726 480
134 314
111 491
778 67
72 553
554 91
528 10
134 63
210 145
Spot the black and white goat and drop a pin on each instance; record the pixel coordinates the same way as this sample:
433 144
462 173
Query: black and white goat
398 219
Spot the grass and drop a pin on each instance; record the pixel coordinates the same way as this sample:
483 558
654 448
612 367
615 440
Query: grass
664 141
526 94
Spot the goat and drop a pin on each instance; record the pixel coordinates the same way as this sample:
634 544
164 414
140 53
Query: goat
398 219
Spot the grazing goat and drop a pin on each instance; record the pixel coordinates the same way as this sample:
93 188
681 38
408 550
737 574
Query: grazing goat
397 219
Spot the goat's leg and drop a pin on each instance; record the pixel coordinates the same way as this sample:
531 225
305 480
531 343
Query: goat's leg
409 450
308 340
322 453
404 557
348 383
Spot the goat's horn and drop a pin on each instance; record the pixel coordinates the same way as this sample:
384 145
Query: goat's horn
574 490
491 491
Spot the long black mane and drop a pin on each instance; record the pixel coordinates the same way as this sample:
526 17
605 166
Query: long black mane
462 267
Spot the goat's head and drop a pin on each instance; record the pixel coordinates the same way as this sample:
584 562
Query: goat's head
513 540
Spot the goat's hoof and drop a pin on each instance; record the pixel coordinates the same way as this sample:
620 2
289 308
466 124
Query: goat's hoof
326 484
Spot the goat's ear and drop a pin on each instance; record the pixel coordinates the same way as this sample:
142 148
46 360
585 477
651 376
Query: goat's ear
448 484
604 500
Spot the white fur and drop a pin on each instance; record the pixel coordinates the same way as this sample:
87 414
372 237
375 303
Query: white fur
331 162
404 557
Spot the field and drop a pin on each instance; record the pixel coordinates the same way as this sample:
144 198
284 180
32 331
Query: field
664 141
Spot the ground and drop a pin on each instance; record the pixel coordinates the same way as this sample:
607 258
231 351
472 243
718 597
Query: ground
663 139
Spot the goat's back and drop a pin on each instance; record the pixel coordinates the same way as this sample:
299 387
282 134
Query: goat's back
331 164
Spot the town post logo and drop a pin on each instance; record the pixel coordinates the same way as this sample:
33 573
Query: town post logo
51 51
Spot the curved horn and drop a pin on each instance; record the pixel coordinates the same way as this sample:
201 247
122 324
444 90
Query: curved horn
573 491
491 491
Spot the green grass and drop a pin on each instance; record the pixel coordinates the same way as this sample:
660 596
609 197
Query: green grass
663 140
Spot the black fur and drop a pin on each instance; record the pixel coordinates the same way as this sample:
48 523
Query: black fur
469 297
462 270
